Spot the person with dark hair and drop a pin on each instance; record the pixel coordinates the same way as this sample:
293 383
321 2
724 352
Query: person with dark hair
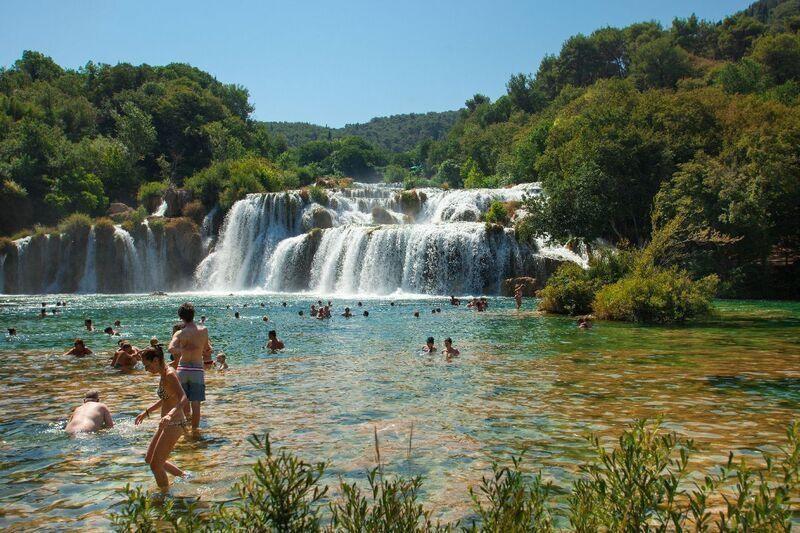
274 343
126 357
12 332
265 318
88 324
449 352
79 349
236 314
172 401
313 311
191 347
90 417
366 313
347 313
300 312
429 346
360 304
416 314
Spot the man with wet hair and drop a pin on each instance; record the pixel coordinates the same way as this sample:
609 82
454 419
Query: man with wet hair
79 349
91 416
449 352
191 346
274 343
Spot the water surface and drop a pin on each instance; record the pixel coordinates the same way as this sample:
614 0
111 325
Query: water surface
523 382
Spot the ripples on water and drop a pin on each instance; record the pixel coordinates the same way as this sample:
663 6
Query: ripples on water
522 382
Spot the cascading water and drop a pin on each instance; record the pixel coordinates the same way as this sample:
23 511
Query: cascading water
88 281
373 239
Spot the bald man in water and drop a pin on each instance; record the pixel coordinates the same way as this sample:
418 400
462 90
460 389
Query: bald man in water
91 416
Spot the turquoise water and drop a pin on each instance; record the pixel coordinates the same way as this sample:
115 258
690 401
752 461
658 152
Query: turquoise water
523 382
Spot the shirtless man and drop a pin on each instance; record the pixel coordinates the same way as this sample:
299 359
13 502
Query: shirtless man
449 352
126 357
91 416
190 346
79 349
429 346
88 324
347 313
274 343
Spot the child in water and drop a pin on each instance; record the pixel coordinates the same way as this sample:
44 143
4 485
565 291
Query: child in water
221 364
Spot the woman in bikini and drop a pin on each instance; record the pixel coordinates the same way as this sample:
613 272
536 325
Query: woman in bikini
171 400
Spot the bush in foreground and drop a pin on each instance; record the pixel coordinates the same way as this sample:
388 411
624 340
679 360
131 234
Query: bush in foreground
642 484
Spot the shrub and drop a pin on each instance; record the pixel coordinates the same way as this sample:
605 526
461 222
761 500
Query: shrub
157 224
75 223
641 484
239 186
656 295
104 227
497 214
151 190
571 289
318 194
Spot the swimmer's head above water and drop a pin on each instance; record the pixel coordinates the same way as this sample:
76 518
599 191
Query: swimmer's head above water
91 396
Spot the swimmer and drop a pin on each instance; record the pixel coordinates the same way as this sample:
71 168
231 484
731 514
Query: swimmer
117 324
172 401
43 313
90 417
454 300
429 346
449 352
153 341
221 364
313 310
300 312
366 313
262 304
79 349
126 357
347 313
284 304
110 331
88 324
360 304
274 344
203 319
265 319
12 332
191 347
391 303
236 314
416 314
584 323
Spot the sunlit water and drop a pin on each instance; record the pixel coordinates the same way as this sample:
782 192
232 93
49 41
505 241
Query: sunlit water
523 382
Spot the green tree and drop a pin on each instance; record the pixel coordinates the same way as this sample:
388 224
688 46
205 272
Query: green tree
660 63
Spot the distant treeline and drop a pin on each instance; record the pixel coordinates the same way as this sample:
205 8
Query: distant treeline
397 133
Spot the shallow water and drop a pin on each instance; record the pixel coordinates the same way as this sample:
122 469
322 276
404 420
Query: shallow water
523 382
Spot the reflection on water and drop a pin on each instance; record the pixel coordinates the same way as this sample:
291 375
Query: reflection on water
522 382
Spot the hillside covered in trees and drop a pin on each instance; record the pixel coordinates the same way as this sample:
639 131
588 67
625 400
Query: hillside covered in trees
397 133
631 128
694 126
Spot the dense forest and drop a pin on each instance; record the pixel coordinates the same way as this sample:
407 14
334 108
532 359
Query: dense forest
694 127
631 128
397 133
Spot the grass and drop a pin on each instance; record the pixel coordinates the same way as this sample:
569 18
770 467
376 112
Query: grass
643 483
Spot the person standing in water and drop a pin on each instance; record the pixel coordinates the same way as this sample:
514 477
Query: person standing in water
518 295
90 417
190 346
172 401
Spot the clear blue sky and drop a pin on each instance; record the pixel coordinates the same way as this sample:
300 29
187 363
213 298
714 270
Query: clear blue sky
330 62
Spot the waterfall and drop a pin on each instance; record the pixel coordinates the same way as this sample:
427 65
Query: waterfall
162 209
207 229
88 282
2 273
373 239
